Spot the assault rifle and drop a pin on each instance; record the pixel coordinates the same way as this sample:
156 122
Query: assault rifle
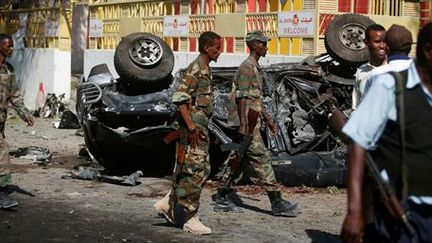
389 198
181 147
237 163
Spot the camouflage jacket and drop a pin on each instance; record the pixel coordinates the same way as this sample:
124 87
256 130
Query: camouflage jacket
247 83
9 93
196 90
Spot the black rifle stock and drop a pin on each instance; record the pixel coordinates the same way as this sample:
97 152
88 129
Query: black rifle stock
238 162
389 198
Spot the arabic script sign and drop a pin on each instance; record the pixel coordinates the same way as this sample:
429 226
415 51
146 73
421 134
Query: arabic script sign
51 28
95 28
298 24
176 25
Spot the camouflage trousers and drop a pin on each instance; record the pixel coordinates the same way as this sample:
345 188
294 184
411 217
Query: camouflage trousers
5 176
259 160
194 173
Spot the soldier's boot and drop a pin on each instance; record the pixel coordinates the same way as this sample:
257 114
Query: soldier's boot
163 207
6 201
195 226
223 204
281 207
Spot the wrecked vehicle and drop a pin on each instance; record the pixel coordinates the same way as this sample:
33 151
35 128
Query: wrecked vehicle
124 120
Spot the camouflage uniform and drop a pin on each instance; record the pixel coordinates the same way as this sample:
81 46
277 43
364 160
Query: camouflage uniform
248 84
9 93
196 90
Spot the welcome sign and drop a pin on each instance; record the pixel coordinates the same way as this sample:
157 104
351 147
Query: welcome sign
296 24
176 25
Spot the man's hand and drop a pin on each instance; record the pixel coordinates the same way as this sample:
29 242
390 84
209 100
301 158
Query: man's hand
353 227
29 120
273 127
194 135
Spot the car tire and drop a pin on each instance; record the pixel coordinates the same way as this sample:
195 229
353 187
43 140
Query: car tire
344 39
143 60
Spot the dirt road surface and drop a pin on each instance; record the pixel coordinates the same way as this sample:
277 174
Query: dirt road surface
70 210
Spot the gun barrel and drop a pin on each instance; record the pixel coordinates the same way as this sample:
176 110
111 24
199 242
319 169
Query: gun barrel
217 131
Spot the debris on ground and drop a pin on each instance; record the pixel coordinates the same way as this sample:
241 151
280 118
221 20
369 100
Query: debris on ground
89 173
36 154
53 106
68 121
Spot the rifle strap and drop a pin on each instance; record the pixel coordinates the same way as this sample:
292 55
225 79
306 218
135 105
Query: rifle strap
400 80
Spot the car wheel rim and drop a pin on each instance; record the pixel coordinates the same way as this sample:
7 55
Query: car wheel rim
145 52
352 36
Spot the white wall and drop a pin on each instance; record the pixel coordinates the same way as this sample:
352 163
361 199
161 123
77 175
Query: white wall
181 60
49 66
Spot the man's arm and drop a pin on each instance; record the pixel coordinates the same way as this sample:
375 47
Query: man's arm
17 102
269 122
183 98
353 226
241 104
243 79
193 130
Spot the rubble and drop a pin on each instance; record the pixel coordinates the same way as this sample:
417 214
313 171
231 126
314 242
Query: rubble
90 173
36 154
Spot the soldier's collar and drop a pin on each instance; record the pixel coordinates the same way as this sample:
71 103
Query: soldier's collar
204 68
253 60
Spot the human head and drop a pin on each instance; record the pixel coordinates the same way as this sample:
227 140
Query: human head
398 40
256 41
424 47
209 44
375 41
6 45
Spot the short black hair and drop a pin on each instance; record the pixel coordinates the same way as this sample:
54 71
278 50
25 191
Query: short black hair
206 38
4 36
373 27
249 44
424 38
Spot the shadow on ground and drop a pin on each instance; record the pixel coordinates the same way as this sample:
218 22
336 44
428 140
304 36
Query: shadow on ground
318 236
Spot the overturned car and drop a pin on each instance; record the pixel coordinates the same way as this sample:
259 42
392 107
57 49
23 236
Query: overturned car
125 119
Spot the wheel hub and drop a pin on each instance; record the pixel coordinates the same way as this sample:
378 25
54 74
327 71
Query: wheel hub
352 36
145 52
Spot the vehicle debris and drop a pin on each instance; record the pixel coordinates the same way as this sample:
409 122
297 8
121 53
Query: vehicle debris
68 121
90 173
36 154
125 119
53 106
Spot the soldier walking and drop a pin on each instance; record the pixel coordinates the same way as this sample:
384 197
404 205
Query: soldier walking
9 94
247 96
194 100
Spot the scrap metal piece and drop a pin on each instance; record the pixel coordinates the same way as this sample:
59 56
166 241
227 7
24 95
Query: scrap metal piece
32 153
89 173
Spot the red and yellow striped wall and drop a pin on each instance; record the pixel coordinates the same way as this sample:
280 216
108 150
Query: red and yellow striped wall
121 17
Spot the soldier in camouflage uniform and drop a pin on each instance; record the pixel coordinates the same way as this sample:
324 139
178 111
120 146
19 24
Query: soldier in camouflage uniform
194 99
9 94
246 95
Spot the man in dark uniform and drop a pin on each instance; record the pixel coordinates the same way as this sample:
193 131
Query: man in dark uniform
9 94
377 125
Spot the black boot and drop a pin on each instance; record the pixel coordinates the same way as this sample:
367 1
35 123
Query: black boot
5 200
281 207
222 203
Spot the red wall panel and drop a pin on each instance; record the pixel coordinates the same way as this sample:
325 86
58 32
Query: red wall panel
361 6
229 44
251 6
344 6
193 44
262 5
